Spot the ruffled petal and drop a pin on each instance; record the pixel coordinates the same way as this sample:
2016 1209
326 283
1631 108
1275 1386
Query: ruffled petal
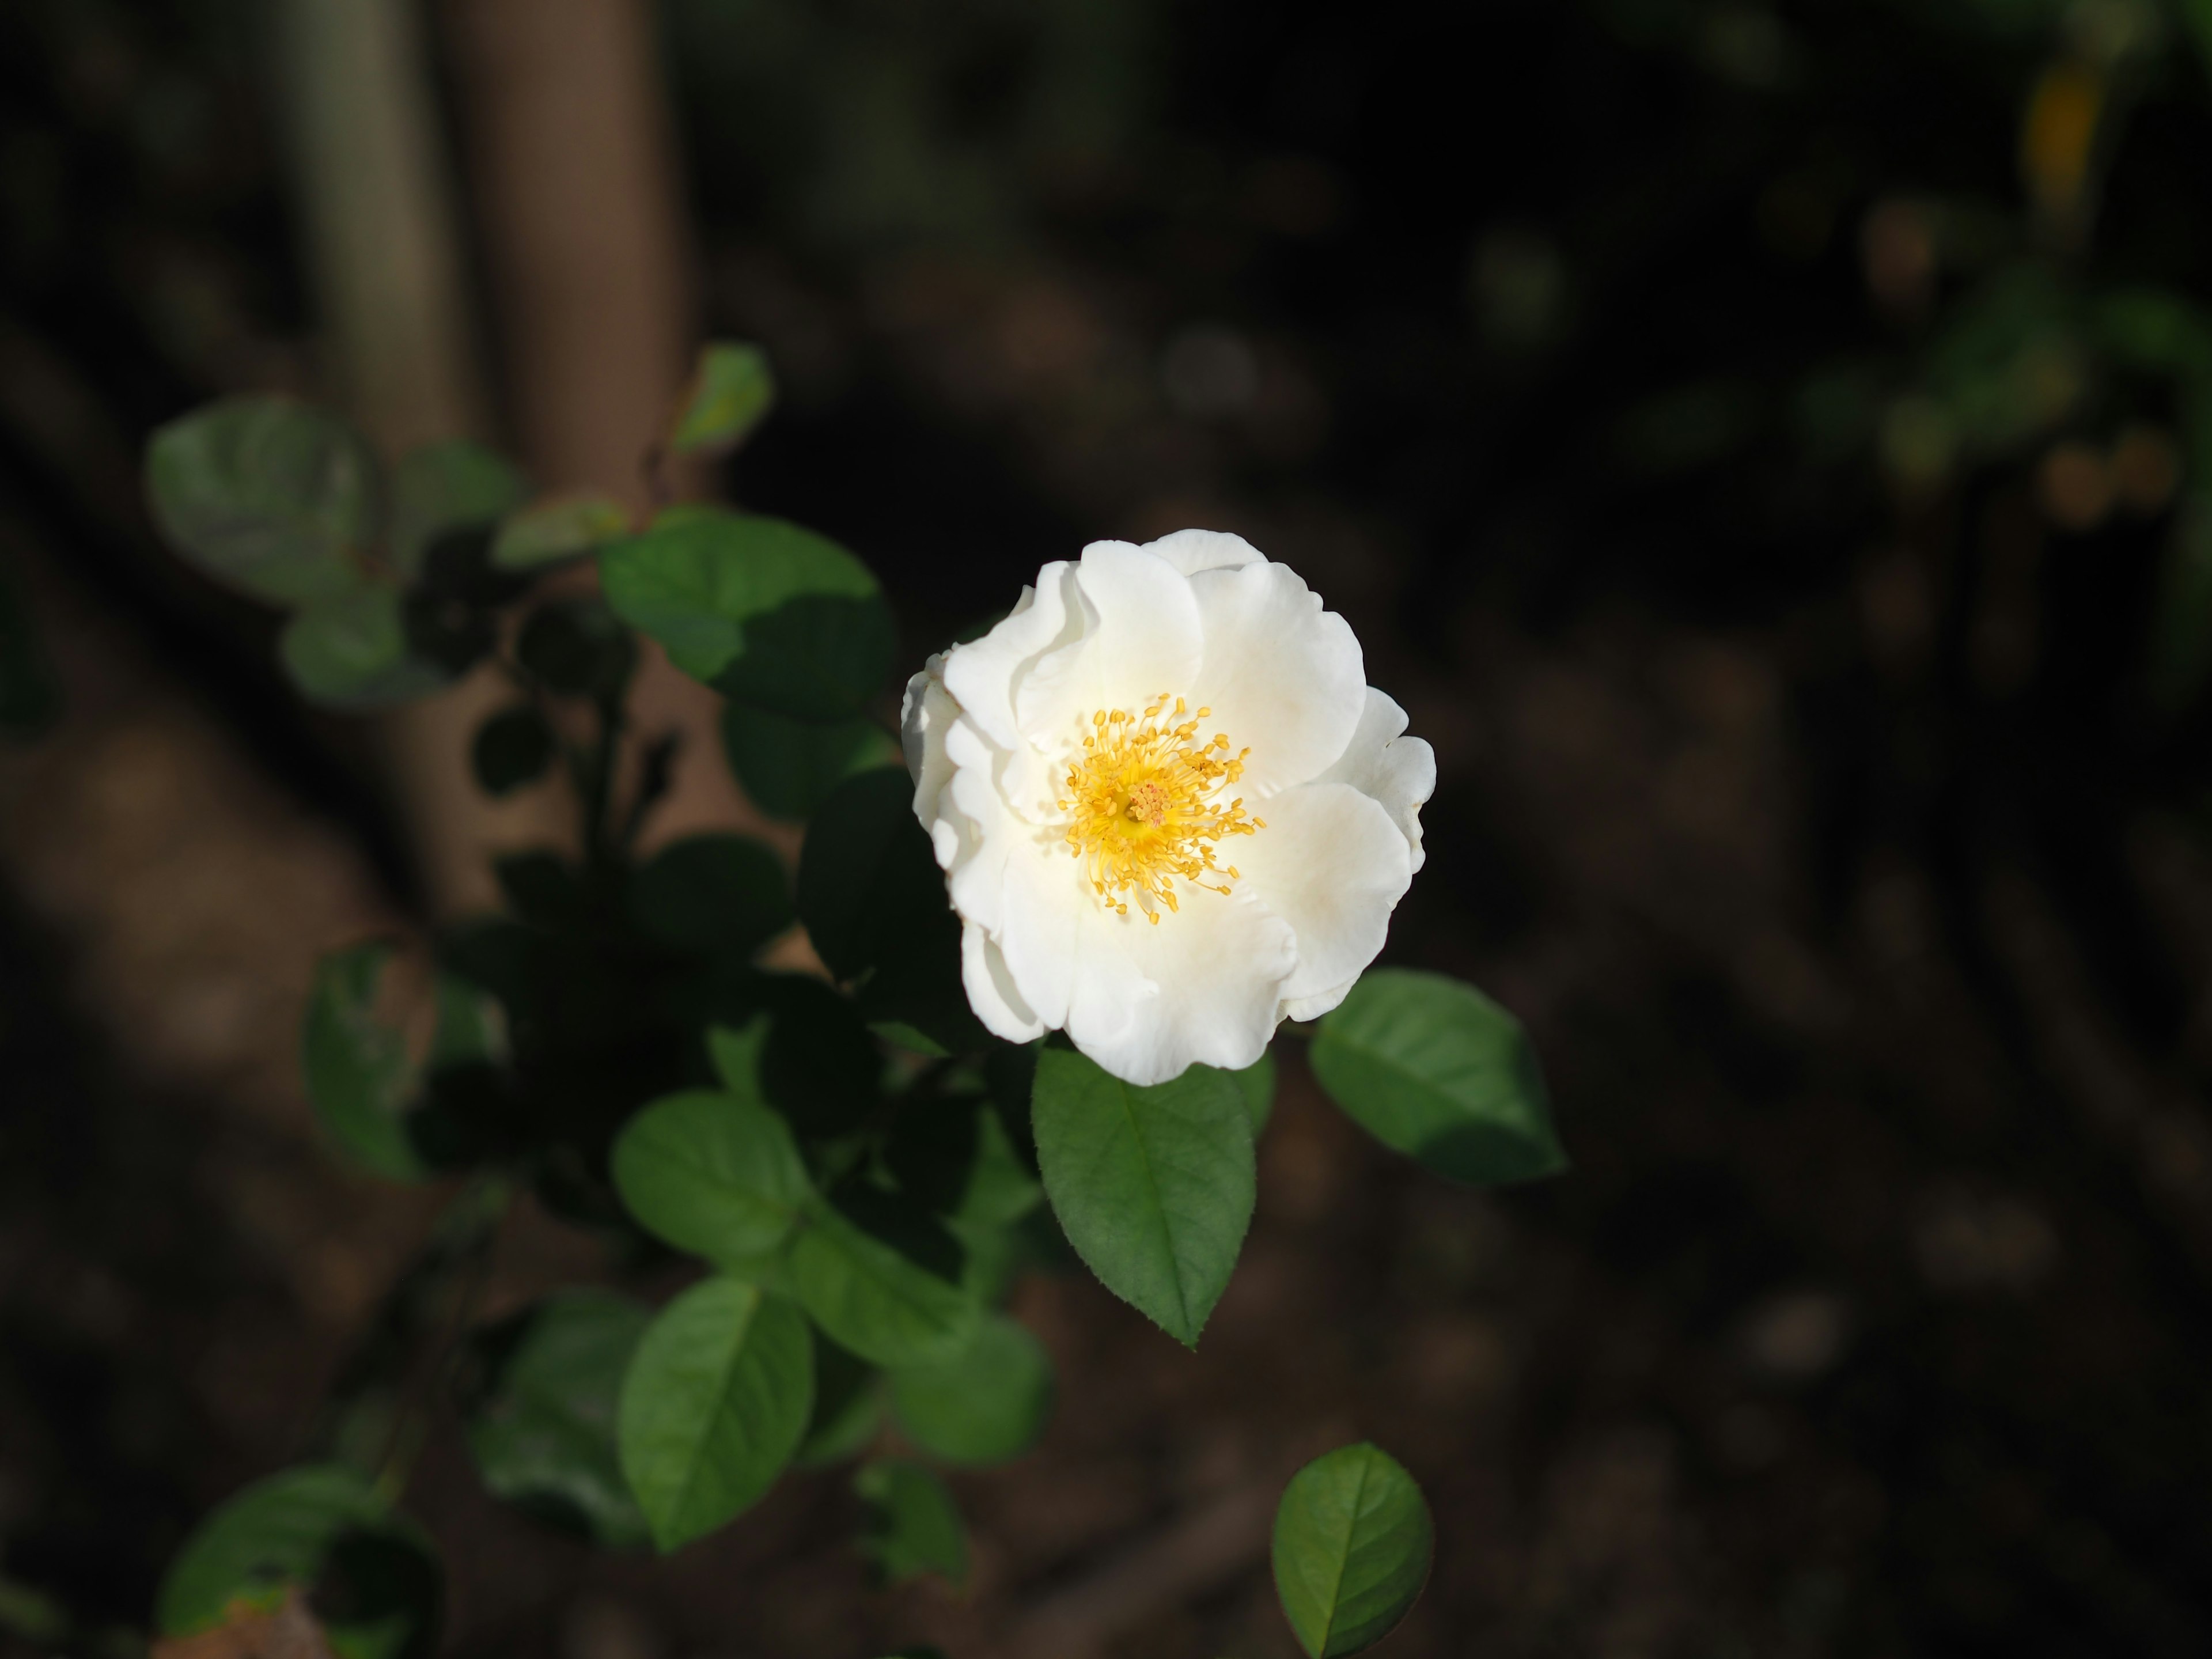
1203 987
982 674
1314 1007
991 990
1283 677
924 716
1193 550
1140 636
1333 865
1397 770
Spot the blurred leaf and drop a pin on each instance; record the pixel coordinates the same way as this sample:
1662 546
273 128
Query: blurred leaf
2155 331
731 393
2181 639
267 495
566 527
848 1405
30 699
874 904
352 651
711 1174
541 887
444 487
320 1527
711 895
543 1430
1153 1185
910 1523
871 1290
512 748
358 1075
1438 1070
986 1406
1352 1549
577 647
1257 1081
715 1403
954 1157
803 1048
788 767
769 614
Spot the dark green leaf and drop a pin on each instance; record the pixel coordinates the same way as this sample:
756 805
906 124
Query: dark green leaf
715 1403
512 748
711 895
577 647
711 1174
764 611
731 393
542 1430
892 1291
953 1156
358 1075
810 1057
354 651
445 487
323 1529
541 887
266 495
788 767
2158 332
1438 1070
1351 1550
985 1406
848 1405
565 528
1257 1081
1153 1185
910 1524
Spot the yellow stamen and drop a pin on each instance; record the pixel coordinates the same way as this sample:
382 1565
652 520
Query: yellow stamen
1143 807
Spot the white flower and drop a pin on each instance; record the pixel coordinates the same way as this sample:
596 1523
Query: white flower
1171 811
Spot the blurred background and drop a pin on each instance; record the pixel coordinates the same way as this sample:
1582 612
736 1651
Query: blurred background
1766 447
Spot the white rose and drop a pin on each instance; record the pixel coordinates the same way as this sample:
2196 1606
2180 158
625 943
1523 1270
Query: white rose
1171 811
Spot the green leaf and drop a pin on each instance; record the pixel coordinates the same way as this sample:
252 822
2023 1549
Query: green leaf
954 1157
711 895
358 1075
566 527
788 767
715 1403
711 1174
768 613
731 393
577 647
444 487
542 1431
801 1049
1352 1549
910 1523
512 748
886 1291
1153 1185
267 495
986 1406
874 903
352 651
2155 330
1257 1081
322 1527
848 1405
1438 1070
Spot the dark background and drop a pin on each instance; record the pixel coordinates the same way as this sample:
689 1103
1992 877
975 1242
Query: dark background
1692 407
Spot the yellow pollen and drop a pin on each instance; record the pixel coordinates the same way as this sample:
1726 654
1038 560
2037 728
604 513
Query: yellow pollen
1143 806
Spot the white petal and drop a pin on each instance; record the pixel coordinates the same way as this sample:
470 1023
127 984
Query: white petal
1283 677
1203 987
1333 865
924 715
1314 1007
982 674
1140 637
1193 550
1397 770
991 990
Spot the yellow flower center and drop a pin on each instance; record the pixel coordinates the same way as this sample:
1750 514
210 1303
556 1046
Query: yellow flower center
1144 806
